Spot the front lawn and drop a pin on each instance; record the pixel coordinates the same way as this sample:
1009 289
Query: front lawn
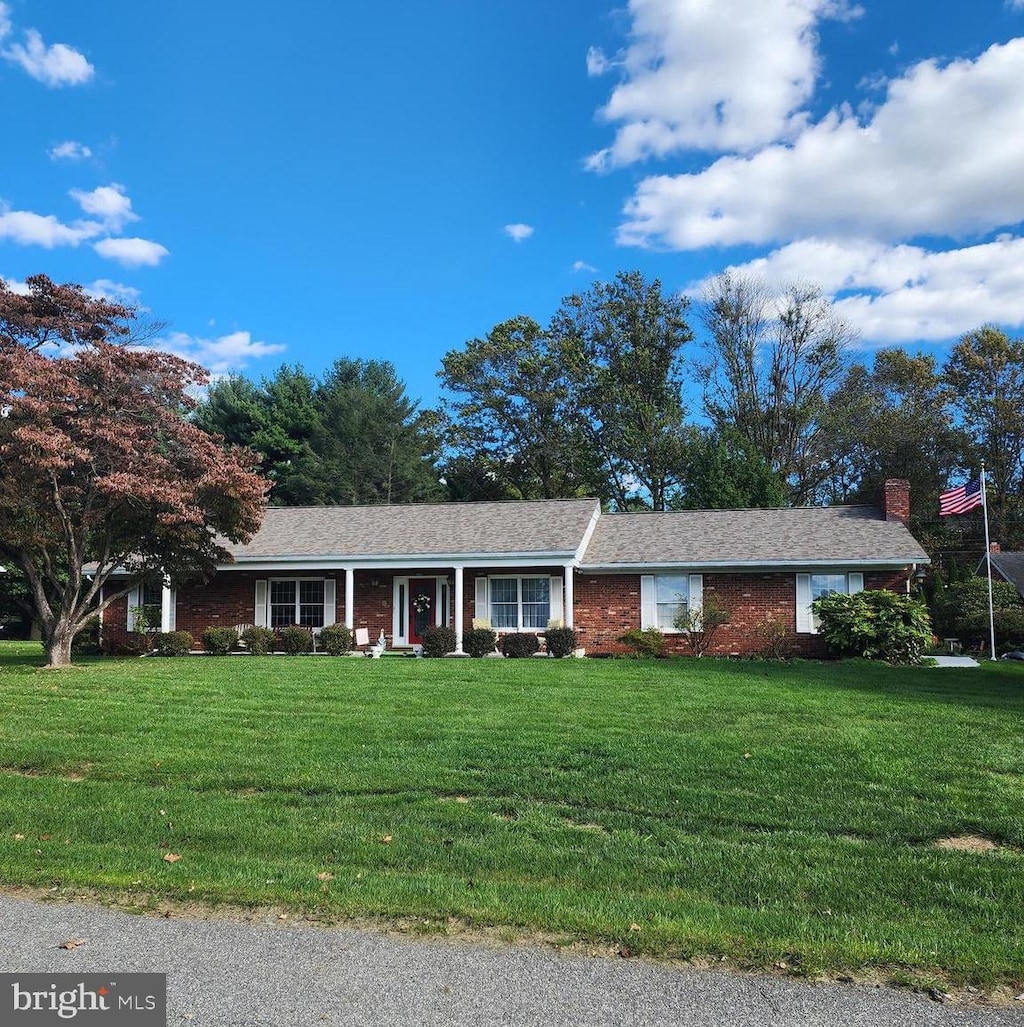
766 813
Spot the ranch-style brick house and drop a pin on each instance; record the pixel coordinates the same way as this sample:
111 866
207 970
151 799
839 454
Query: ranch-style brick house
521 566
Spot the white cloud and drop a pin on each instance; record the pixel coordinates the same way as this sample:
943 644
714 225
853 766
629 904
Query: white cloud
220 356
895 293
17 287
5 21
29 229
115 292
54 66
727 75
879 179
132 252
597 63
519 232
1015 5
582 265
70 150
107 202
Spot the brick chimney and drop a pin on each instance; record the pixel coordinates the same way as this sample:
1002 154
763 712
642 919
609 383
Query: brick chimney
993 547
897 500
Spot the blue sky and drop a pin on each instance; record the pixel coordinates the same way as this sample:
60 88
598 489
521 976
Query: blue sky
299 183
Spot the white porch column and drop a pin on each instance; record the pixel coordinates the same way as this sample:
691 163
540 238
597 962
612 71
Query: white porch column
350 597
568 601
458 608
165 606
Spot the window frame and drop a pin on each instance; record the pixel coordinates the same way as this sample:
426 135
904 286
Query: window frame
519 626
297 603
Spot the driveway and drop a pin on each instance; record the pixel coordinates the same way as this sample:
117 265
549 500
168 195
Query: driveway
228 974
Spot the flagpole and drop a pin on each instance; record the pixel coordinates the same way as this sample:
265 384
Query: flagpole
988 563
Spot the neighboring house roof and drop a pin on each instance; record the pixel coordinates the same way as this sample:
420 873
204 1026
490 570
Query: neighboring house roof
1010 565
544 528
801 536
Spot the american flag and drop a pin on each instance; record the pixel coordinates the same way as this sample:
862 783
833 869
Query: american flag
962 499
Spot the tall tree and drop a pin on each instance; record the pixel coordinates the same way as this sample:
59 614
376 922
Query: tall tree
509 425
724 472
986 373
772 363
620 348
370 441
895 419
354 437
98 463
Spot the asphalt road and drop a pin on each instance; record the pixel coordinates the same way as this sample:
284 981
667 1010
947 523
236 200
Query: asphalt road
228 974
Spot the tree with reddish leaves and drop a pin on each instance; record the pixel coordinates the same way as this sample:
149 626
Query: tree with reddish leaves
103 479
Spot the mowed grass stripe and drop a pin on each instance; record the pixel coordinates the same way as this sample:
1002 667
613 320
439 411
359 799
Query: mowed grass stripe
763 812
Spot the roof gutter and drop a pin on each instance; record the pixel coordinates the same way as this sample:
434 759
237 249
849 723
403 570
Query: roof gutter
894 562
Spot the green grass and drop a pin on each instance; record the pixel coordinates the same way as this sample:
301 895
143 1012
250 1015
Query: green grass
765 813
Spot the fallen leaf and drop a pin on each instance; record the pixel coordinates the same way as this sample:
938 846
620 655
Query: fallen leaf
44 837
324 876
171 857
634 927
71 944
625 952
19 837
746 755
385 839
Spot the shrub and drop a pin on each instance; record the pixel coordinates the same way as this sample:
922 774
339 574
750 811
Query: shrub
336 640
220 641
87 641
296 640
519 645
134 643
961 611
701 624
644 644
259 641
479 642
772 640
878 624
438 640
561 641
173 643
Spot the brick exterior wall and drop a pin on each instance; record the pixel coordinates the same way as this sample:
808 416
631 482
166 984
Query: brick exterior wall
606 606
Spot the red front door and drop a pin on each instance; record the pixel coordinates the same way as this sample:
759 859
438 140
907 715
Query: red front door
422 600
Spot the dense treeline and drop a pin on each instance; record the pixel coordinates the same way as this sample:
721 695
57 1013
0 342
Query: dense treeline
615 398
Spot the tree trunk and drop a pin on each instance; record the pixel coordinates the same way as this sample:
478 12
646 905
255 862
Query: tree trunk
58 646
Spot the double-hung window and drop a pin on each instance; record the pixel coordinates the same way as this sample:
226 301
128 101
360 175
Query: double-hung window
520 603
810 587
662 596
672 591
297 601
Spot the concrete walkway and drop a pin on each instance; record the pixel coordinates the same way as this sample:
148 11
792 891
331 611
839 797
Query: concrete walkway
227 974
955 661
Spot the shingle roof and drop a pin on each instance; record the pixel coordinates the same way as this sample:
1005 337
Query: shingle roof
855 534
1010 565
442 529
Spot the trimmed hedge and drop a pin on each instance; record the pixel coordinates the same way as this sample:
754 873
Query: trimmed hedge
173 643
336 640
296 640
519 645
438 640
258 641
478 642
561 641
220 641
